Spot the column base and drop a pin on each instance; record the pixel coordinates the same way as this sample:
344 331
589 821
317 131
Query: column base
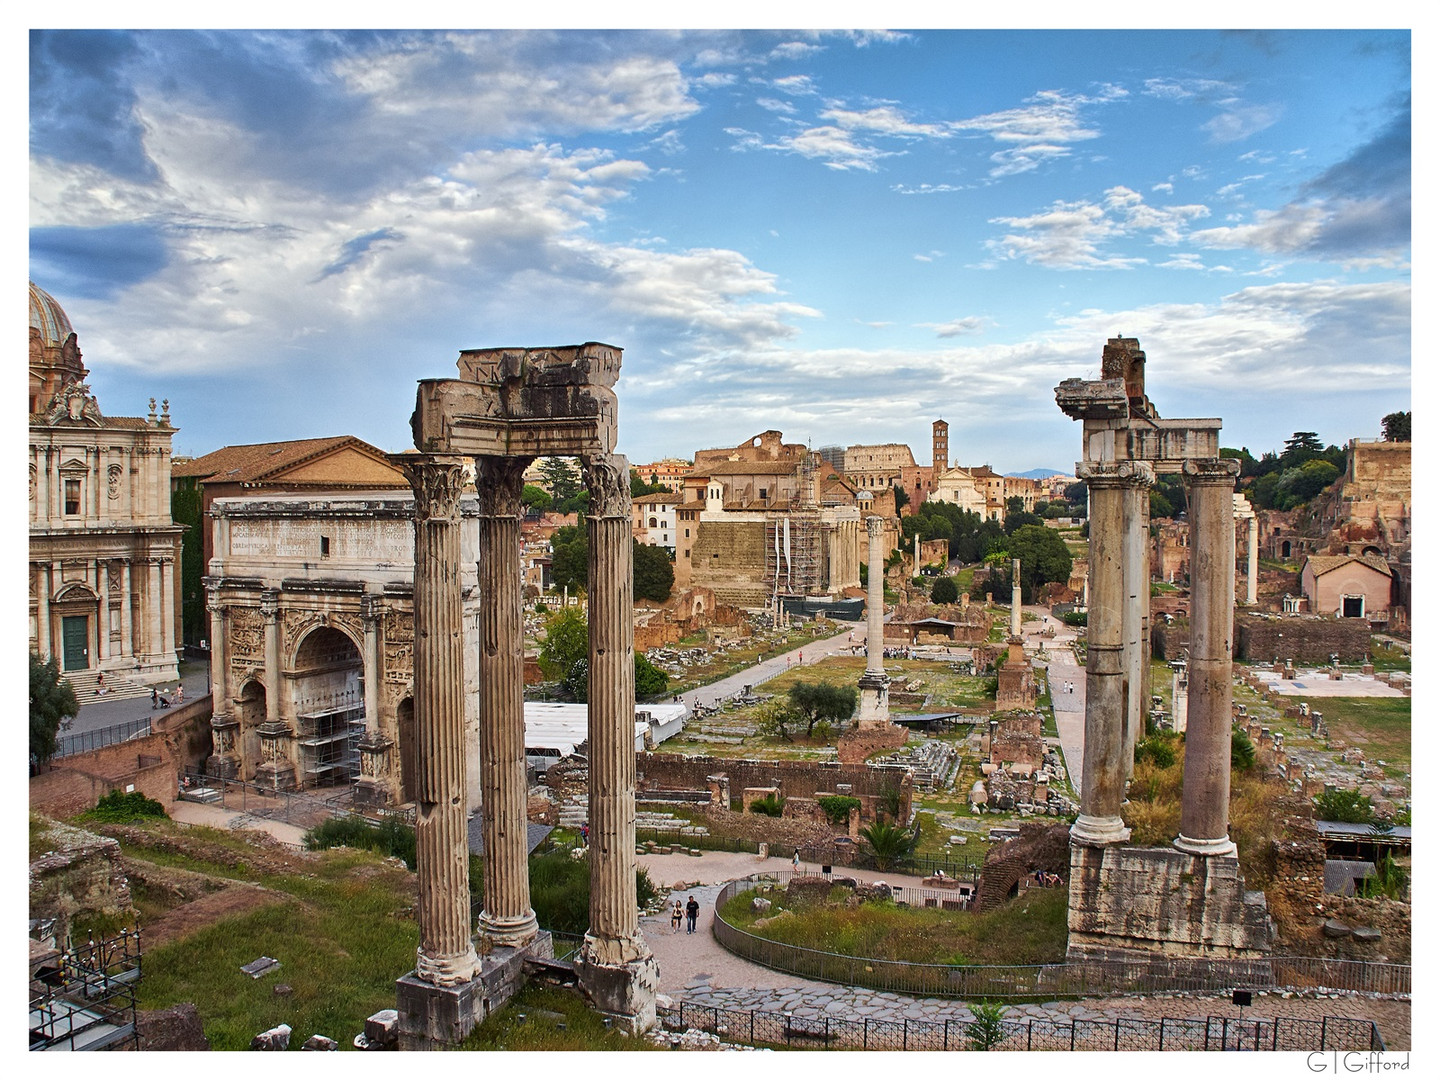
507 932
277 776
624 991
436 1017
224 766
1098 831
873 711
1222 846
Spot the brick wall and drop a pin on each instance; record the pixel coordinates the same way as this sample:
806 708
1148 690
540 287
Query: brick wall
800 779
1308 640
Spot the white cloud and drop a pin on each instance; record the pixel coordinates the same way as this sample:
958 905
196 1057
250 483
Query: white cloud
1183 89
775 105
795 84
970 324
833 146
794 50
883 120
1166 187
1040 131
928 189
1240 121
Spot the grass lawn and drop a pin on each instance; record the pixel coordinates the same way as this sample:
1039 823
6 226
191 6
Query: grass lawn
549 1018
1027 930
1380 726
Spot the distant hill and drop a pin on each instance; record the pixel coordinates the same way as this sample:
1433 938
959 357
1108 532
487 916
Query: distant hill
1039 474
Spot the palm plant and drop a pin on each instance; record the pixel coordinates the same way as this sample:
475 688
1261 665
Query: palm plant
890 844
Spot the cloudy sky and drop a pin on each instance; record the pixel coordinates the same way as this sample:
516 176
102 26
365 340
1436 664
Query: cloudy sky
841 235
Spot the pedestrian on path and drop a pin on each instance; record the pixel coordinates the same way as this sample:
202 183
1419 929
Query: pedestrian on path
692 912
795 861
154 698
675 916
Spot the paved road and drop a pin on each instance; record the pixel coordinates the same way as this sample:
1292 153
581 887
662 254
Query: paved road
194 675
809 653
1061 671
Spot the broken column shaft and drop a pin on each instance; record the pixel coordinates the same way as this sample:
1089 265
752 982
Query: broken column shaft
1015 599
875 601
446 956
1205 797
617 970
1135 571
507 918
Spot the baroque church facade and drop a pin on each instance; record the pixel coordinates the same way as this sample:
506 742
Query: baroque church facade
103 547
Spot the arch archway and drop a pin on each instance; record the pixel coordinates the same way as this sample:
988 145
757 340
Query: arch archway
1285 549
405 735
250 712
329 701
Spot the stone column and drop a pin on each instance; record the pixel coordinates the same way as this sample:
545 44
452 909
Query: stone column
224 727
127 620
277 768
102 630
875 600
376 786
1015 599
154 599
507 918
1252 560
917 554
617 971
1135 572
1205 797
167 610
1103 773
270 611
42 612
446 956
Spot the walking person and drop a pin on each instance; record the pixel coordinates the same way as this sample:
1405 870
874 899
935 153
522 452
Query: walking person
795 861
676 914
692 912
154 698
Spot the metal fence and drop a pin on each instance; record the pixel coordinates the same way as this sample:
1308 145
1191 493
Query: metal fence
303 808
87 1000
775 1028
1048 981
85 741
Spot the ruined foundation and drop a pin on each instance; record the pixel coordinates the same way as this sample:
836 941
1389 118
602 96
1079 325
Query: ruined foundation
1167 908
434 1017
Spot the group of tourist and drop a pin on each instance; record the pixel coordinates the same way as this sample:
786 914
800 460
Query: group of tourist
159 701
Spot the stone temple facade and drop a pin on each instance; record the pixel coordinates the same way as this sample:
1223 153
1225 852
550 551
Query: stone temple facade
103 548
312 620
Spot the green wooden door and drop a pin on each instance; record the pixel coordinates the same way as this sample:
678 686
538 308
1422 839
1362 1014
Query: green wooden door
77 642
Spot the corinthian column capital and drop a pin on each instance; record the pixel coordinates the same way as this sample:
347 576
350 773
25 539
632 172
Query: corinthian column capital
608 477
1222 471
499 482
1116 473
874 526
437 482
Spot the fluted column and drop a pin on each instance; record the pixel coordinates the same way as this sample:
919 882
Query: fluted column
154 599
1103 774
224 761
446 956
1205 797
1135 572
270 611
127 620
507 918
102 629
618 971
1252 560
42 612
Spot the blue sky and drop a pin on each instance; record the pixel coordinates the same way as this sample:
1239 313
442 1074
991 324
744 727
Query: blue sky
841 235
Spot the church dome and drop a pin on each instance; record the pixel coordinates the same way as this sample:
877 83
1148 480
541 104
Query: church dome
48 317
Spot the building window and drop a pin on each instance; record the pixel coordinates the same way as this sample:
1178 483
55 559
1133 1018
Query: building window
72 496
664 538
324 547
687 534
687 553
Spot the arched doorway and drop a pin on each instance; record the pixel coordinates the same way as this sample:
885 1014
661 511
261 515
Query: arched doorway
250 712
1285 549
329 704
405 734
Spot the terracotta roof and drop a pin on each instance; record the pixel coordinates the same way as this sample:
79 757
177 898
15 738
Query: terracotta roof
659 497
1323 564
752 468
256 461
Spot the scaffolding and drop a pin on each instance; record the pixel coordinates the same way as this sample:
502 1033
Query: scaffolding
329 741
83 997
793 564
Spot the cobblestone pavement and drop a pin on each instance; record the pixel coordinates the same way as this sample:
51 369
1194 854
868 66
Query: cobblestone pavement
695 968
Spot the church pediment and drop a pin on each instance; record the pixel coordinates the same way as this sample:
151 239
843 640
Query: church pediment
74 465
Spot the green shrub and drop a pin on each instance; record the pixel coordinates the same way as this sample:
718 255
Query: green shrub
890 844
121 807
1344 804
392 837
770 806
837 807
1242 750
1158 749
1075 618
987 1030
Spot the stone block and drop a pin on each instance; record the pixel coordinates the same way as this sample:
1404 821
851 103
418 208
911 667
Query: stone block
277 1038
320 1042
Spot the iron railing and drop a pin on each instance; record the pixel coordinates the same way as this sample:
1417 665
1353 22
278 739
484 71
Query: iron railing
303 808
775 1028
1048 981
85 741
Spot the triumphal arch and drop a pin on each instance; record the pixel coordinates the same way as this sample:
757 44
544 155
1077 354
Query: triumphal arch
507 407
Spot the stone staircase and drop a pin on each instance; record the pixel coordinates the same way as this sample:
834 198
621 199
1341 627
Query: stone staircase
575 810
117 687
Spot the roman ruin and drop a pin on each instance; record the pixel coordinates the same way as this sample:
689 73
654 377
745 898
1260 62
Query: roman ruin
508 407
1187 904
874 710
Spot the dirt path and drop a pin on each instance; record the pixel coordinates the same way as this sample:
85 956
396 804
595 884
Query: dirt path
189 918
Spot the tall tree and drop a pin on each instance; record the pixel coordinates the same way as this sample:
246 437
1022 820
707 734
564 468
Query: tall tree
654 573
561 477
52 702
1396 427
1043 557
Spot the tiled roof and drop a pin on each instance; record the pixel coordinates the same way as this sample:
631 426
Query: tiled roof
1323 564
245 464
751 468
666 498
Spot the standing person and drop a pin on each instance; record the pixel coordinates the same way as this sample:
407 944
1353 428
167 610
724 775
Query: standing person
795 861
675 916
154 698
692 912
